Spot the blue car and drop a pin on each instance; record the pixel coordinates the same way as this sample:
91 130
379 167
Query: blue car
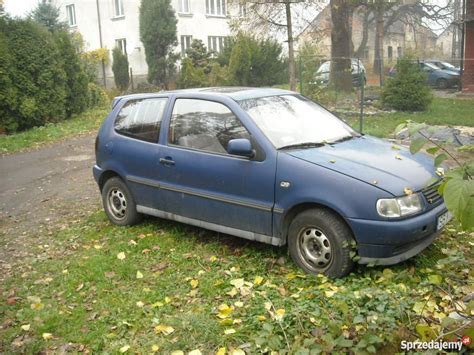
267 165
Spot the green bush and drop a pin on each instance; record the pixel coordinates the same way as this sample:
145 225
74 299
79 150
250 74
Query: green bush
36 91
407 90
76 77
120 69
96 96
144 87
191 76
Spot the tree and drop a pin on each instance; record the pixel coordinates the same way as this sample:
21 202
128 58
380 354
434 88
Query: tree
407 91
36 76
199 55
120 69
191 76
158 35
341 44
76 76
48 15
266 16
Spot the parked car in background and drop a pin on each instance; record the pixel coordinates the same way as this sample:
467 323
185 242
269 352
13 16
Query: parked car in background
271 166
444 65
358 71
435 76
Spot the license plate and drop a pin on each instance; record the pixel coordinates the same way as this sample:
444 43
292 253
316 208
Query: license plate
443 220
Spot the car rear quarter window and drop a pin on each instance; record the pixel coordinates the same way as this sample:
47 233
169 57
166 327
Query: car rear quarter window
204 125
141 119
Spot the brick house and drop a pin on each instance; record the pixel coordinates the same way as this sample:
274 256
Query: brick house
468 74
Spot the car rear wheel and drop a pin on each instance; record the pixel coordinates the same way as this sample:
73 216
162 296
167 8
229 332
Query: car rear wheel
442 84
320 243
119 204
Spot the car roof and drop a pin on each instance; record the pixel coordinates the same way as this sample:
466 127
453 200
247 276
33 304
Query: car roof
234 92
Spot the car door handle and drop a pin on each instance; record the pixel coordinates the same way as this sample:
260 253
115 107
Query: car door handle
167 161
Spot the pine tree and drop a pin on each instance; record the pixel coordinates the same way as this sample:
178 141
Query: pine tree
120 69
158 35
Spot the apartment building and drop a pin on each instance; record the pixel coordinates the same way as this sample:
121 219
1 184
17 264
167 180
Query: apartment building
115 23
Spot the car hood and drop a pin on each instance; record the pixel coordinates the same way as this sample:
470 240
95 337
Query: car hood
374 161
450 72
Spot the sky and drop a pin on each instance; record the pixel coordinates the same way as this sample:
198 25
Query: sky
19 7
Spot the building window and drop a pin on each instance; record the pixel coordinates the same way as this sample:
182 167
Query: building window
71 15
216 43
399 52
185 44
183 7
243 10
390 53
216 7
121 43
118 8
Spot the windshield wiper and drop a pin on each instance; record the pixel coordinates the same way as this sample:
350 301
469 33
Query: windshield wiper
342 139
303 145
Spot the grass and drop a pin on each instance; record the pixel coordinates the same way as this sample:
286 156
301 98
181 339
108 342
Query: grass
85 122
452 112
183 288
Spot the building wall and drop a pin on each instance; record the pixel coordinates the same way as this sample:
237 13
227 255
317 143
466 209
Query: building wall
196 23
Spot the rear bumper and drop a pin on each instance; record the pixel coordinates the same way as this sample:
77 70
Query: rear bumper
391 242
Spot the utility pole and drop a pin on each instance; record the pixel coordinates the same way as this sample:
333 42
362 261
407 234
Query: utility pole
100 42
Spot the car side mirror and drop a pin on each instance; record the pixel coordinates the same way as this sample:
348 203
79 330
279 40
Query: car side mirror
242 147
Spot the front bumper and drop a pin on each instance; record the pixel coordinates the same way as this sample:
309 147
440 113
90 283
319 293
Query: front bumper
97 172
390 242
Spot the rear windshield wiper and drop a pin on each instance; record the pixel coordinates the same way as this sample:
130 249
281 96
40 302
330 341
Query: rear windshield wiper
303 145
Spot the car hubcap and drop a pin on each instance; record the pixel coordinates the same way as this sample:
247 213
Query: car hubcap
315 248
117 203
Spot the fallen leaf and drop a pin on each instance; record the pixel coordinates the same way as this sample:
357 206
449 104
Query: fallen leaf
139 275
258 280
80 287
237 352
25 327
224 311
97 246
261 318
229 331
398 157
121 255
195 352
408 191
140 304
155 348
213 258
47 336
194 283
164 329
221 351
238 283
124 348
177 352
332 161
239 304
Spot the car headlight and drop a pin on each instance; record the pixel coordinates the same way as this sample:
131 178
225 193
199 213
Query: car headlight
399 207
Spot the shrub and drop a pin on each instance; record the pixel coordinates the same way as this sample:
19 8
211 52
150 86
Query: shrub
120 69
97 97
36 76
407 90
191 76
76 76
144 88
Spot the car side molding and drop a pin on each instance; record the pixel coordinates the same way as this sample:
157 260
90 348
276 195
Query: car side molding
212 226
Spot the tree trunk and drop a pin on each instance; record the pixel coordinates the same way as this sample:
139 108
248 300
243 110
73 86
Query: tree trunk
378 48
291 52
360 52
341 45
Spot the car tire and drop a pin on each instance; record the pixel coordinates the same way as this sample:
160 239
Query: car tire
119 204
319 242
442 84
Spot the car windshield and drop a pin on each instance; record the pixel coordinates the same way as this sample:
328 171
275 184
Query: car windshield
432 66
292 120
448 65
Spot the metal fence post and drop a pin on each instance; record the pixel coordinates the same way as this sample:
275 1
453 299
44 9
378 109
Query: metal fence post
362 99
301 74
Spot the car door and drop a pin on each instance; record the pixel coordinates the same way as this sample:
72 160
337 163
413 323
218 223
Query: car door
201 181
136 150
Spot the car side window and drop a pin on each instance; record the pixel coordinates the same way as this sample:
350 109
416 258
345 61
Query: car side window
141 119
204 125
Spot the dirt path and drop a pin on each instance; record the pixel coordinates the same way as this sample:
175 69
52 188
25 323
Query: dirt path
41 191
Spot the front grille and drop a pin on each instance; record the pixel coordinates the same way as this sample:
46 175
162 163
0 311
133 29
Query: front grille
431 194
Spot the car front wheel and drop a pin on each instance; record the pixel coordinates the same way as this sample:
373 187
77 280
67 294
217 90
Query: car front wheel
320 243
119 204
442 84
